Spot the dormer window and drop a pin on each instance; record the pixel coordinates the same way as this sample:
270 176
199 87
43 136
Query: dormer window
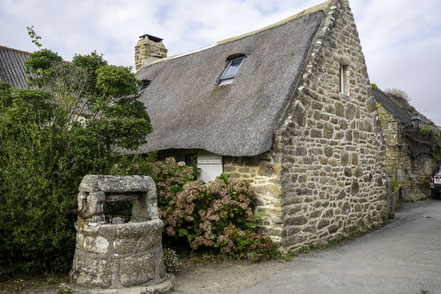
231 70
144 85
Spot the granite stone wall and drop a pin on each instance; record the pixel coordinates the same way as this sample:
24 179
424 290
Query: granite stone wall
407 164
333 163
327 163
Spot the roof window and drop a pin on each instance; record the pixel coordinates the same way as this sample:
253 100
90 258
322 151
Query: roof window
230 72
144 85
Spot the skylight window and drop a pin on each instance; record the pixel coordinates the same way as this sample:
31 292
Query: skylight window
144 85
231 70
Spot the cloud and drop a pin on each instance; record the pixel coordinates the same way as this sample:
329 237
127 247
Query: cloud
400 39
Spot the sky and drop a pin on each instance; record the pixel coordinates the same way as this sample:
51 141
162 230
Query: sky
401 39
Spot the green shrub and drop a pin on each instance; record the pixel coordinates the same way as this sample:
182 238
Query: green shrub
171 260
395 185
427 131
45 151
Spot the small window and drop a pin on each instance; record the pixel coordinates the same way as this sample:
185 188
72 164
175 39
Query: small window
231 70
144 85
343 79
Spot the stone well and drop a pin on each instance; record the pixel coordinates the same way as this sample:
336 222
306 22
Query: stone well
117 256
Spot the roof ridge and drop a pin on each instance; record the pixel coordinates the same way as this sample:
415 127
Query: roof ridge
21 51
319 7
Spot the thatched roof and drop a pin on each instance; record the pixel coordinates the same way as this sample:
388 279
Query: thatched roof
398 107
12 69
189 110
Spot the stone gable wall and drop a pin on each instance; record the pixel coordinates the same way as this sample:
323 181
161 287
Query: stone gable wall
331 146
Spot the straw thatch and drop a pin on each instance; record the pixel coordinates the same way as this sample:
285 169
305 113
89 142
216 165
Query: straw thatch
189 110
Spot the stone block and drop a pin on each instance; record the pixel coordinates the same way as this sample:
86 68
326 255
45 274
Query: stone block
350 111
92 244
296 221
150 240
328 131
339 109
136 270
323 223
92 272
344 159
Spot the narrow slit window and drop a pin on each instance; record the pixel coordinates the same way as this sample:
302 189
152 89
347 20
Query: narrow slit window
231 71
343 79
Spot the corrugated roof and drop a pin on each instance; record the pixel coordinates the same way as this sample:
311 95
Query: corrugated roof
189 110
12 69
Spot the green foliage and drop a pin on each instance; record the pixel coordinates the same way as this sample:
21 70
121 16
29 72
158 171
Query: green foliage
50 138
395 185
424 183
33 35
171 260
374 86
170 178
42 66
116 81
427 131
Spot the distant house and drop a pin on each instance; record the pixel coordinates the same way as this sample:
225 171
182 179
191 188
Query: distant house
12 69
410 152
287 108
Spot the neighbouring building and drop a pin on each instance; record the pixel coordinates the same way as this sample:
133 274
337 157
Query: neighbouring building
411 152
287 108
12 68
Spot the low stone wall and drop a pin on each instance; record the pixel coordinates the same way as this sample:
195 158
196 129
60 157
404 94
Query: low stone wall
118 255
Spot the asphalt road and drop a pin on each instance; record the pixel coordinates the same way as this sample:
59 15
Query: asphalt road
402 257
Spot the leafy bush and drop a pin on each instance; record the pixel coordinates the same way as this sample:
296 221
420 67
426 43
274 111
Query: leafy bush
170 177
50 138
426 131
171 260
395 185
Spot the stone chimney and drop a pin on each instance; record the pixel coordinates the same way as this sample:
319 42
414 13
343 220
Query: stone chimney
148 49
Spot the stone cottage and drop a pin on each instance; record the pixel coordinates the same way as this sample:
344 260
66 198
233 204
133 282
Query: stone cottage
287 108
411 153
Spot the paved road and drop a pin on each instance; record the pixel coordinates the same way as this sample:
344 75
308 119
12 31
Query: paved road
402 257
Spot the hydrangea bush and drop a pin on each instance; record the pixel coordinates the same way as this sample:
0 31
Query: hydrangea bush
217 214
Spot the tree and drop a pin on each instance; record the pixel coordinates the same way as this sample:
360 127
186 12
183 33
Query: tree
72 123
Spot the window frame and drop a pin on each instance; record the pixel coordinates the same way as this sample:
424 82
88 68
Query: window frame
228 79
343 79
144 86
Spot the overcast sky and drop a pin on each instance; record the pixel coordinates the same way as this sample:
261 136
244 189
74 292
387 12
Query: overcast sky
401 39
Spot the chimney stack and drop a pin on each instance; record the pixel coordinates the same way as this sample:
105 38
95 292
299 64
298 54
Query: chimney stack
148 49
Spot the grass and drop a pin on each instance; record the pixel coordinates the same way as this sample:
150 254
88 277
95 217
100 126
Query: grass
26 283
